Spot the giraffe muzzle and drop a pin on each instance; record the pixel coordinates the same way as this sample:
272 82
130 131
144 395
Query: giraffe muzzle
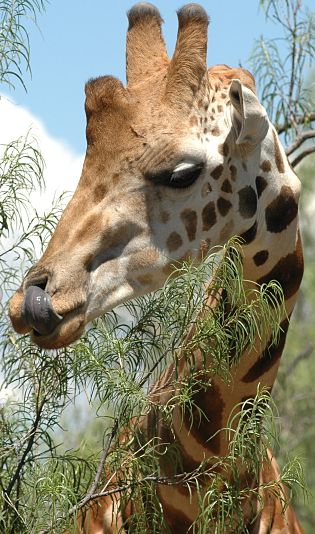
38 312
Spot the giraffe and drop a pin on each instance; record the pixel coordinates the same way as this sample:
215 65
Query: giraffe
178 161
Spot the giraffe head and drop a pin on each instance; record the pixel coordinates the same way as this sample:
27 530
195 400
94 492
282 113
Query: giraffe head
169 171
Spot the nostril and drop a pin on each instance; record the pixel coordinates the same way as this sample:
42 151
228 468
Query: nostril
36 282
42 284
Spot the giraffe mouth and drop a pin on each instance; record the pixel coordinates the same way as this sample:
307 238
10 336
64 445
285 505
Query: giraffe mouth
33 313
38 311
70 329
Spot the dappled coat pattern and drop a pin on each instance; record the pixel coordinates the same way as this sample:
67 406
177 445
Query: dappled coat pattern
179 161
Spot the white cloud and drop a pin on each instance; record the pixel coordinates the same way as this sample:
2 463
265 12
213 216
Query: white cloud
62 172
63 165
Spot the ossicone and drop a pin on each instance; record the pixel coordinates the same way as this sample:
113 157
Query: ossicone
188 66
145 47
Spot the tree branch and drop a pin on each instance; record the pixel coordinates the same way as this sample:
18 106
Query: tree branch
306 118
28 448
178 479
100 468
302 155
299 141
181 478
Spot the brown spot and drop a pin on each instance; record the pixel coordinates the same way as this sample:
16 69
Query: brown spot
205 417
220 108
247 202
261 184
216 131
189 218
226 187
189 464
250 234
89 227
209 217
200 103
224 149
261 257
145 279
223 206
278 155
206 107
165 216
281 211
216 173
287 272
269 356
233 170
152 423
193 121
174 241
185 257
205 130
116 179
168 269
177 521
266 166
100 192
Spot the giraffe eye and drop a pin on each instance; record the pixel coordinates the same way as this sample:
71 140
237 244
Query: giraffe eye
184 175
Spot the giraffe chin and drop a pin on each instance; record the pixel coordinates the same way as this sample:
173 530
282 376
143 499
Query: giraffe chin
69 330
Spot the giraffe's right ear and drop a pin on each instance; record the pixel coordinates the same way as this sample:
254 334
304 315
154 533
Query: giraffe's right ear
249 117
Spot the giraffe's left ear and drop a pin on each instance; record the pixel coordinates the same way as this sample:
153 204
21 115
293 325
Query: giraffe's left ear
249 117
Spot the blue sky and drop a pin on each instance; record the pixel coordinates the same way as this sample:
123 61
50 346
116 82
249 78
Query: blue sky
80 39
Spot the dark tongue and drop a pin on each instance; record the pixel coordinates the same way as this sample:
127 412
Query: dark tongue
38 311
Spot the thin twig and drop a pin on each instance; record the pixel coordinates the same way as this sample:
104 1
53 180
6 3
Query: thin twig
181 478
156 364
302 356
302 155
299 141
90 494
28 448
306 118
99 471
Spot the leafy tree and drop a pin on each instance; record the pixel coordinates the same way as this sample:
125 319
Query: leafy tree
44 483
294 391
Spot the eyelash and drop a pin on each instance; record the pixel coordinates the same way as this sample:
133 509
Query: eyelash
176 179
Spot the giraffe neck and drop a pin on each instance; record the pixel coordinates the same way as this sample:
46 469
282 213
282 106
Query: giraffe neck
273 251
258 364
